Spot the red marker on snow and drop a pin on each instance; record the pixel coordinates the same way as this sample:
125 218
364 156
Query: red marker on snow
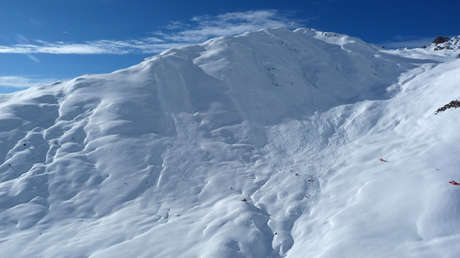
383 160
454 183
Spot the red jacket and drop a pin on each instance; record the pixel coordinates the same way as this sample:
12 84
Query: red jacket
454 183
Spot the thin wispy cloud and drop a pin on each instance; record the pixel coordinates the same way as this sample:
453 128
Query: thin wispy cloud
20 82
33 58
176 34
204 27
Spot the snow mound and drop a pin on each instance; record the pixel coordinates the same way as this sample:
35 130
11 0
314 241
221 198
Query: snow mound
260 145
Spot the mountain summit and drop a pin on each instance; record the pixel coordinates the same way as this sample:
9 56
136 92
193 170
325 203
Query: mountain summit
266 144
441 43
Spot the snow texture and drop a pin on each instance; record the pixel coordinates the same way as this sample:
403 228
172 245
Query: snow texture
266 144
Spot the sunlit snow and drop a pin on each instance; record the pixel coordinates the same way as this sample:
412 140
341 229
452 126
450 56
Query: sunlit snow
266 144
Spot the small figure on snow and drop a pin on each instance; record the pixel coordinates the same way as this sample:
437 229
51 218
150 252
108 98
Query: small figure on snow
383 160
453 182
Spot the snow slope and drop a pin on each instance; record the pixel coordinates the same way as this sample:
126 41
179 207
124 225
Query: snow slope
441 52
265 144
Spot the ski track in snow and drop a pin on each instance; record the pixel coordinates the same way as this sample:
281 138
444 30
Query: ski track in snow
262 145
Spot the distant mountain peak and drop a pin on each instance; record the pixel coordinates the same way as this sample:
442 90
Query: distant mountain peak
446 43
440 39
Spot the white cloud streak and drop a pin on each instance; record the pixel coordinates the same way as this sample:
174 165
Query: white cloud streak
33 58
204 27
20 82
198 29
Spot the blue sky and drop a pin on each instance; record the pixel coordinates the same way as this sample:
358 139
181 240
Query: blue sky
48 40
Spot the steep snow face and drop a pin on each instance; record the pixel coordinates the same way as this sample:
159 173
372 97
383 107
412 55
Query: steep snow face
260 145
403 207
296 73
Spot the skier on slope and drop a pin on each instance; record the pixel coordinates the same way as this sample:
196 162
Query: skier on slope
453 182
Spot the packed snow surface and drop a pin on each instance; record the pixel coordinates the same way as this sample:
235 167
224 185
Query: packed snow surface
266 144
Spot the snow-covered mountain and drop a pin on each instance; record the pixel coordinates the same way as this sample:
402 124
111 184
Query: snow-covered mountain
265 144
446 43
